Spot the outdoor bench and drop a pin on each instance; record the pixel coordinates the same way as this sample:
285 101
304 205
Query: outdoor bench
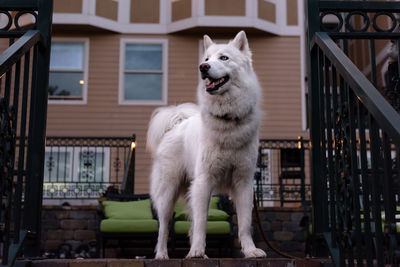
128 218
219 227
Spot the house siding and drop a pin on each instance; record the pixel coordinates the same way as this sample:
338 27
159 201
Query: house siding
225 8
181 10
276 61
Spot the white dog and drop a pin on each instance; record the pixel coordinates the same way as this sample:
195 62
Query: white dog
210 147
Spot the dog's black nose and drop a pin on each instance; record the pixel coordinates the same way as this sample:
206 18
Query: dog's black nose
204 67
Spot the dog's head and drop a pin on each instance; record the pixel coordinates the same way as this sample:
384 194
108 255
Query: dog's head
222 63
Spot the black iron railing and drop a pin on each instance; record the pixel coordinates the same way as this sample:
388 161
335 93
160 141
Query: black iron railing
355 137
85 167
281 178
24 69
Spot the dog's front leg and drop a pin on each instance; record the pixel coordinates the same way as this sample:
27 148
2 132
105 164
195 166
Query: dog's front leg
243 197
199 201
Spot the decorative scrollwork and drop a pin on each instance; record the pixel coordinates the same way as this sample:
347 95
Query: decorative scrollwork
383 13
19 15
7 152
348 19
337 15
364 15
15 19
75 190
9 22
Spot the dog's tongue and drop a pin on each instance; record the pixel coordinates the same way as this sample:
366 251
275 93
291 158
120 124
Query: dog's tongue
210 86
213 84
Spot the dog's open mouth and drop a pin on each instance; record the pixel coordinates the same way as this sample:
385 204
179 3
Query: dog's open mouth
212 85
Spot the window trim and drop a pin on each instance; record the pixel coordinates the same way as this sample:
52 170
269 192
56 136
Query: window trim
85 42
164 72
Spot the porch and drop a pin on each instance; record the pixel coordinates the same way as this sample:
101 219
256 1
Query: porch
354 150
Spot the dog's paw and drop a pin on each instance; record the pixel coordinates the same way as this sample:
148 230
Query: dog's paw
194 253
161 256
254 253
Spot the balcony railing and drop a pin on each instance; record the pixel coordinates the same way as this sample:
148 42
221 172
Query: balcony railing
281 176
82 168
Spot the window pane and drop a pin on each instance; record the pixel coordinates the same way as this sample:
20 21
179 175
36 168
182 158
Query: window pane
143 86
67 56
65 84
143 57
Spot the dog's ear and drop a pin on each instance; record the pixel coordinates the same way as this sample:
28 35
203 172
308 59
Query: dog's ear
241 43
207 42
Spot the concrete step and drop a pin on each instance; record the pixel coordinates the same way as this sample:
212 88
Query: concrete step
173 263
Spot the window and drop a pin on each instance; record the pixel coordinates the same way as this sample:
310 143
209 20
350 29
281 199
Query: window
68 71
143 72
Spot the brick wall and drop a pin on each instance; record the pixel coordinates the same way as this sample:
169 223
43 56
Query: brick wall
78 225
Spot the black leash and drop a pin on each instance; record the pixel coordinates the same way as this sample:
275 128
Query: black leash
261 230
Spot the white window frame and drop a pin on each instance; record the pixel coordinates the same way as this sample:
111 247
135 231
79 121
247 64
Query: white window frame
164 72
85 42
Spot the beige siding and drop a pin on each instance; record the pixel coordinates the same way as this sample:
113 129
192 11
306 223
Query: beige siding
181 9
291 12
277 63
276 60
107 9
225 8
145 11
266 11
70 6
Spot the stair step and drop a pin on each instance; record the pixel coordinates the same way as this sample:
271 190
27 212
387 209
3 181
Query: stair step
213 262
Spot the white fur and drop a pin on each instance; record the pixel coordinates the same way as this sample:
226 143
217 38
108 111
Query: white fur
209 148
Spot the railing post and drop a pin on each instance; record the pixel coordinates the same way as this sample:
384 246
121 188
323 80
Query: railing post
302 182
318 181
128 184
37 131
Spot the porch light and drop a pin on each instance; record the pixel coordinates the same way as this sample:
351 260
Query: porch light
133 145
299 145
81 82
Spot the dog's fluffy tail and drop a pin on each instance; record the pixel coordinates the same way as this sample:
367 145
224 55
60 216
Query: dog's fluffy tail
164 119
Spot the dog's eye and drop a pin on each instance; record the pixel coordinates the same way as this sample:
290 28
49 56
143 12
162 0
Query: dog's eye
224 58
206 59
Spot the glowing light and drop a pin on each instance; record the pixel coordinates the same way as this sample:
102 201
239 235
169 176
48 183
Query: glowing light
299 144
133 145
81 82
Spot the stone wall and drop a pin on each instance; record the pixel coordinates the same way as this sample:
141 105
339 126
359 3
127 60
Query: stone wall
77 225
282 228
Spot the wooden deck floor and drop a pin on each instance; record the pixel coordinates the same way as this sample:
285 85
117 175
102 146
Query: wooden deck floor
172 263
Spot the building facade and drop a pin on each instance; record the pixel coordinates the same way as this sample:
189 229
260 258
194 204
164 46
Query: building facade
114 62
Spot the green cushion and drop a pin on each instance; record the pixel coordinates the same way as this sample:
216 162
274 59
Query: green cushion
213 215
128 226
213 227
179 207
214 202
129 210
217 215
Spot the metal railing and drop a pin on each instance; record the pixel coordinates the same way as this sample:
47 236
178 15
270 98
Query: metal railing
85 167
24 69
355 138
280 177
